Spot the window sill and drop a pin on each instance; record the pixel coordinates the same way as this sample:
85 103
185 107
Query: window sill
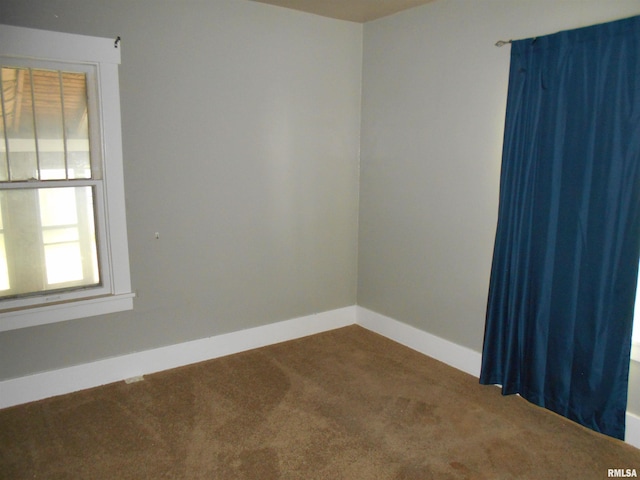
60 312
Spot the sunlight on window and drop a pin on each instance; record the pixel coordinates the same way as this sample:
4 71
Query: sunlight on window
635 334
4 271
58 206
63 247
64 262
49 242
636 317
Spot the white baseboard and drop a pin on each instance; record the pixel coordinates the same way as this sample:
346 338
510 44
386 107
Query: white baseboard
452 354
66 380
632 430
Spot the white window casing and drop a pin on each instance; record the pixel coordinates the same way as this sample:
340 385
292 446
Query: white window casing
635 338
102 55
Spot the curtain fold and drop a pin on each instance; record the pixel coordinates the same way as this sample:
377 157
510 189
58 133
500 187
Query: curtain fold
565 264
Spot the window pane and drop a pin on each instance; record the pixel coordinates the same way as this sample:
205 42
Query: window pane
50 241
58 206
19 126
76 124
59 235
47 96
4 176
46 124
4 272
64 263
636 316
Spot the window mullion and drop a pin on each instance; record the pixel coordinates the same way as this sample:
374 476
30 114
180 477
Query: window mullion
72 182
35 124
64 127
4 126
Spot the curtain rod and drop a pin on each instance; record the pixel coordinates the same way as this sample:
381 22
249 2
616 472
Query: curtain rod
501 43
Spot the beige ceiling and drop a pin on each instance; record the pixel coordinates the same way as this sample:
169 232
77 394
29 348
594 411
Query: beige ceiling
353 10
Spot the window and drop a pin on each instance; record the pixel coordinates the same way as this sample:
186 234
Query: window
635 337
63 250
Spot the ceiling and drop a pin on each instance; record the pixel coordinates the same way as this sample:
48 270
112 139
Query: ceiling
353 10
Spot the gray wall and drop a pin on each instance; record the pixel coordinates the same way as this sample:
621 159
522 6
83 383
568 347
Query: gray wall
241 130
434 96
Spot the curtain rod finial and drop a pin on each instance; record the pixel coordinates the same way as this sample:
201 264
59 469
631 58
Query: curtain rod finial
501 43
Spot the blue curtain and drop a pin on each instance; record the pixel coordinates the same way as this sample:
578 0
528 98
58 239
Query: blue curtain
565 264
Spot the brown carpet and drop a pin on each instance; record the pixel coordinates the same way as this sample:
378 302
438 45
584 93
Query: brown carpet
346 404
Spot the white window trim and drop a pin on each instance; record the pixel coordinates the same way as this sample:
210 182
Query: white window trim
104 54
635 336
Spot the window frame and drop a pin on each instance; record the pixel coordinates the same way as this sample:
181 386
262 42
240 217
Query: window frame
635 332
115 294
